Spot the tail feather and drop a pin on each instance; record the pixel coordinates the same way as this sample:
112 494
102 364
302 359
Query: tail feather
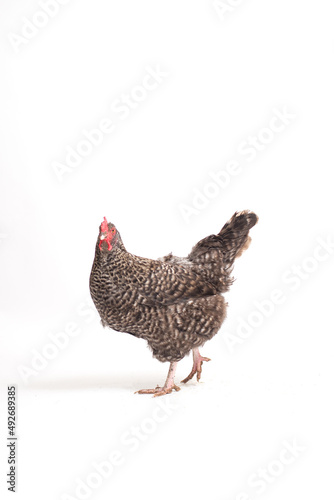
234 235
231 241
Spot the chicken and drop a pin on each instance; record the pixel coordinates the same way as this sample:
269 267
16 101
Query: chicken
174 303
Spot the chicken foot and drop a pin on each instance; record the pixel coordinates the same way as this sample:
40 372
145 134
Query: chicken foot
197 366
167 388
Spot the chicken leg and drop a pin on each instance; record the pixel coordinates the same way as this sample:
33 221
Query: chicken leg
197 366
167 388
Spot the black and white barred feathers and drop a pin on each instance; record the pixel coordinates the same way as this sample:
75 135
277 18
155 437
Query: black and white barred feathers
174 303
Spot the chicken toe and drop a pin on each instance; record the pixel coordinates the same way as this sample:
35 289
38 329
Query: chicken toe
167 388
197 366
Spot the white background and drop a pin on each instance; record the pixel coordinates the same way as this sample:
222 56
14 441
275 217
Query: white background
226 75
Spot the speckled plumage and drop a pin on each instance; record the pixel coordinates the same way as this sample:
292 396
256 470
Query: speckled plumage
174 303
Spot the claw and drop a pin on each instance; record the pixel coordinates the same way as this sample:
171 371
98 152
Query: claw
167 391
159 391
197 366
149 391
167 388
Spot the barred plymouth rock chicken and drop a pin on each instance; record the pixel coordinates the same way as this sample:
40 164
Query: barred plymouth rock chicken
174 303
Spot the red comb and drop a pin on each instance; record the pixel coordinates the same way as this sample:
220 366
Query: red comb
104 225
